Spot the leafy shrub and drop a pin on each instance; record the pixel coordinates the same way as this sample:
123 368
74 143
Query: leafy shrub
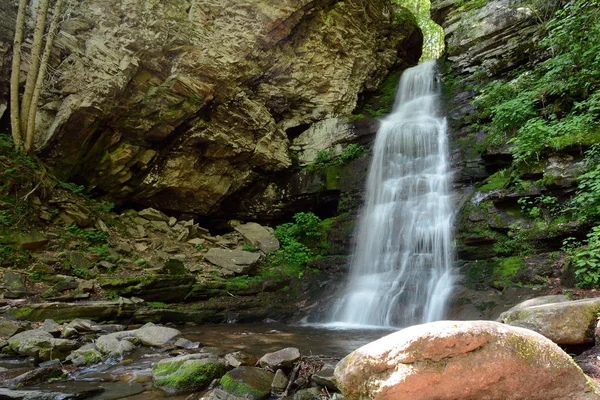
586 260
90 234
294 253
72 187
326 158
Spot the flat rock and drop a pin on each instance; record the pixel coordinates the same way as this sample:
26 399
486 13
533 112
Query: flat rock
156 335
248 382
152 214
284 359
258 236
449 360
235 261
14 285
565 323
325 377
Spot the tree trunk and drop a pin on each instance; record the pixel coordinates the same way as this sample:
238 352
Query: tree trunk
34 64
15 121
40 78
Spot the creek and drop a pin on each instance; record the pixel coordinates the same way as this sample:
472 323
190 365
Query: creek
130 378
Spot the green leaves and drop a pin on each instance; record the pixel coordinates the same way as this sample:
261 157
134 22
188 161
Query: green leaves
557 104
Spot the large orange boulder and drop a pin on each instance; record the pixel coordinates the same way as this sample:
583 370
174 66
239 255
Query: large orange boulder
470 360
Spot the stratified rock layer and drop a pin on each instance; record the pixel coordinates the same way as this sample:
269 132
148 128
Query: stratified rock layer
178 105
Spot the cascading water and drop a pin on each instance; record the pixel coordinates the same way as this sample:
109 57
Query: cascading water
401 268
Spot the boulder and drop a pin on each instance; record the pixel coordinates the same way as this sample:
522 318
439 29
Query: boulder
565 323
41 345
232 262
85 355
256 235
155 335
539 301
31 241
248 382
449 360
187 373
284 359
308 394
114 345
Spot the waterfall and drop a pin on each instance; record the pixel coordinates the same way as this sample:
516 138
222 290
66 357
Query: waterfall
400 273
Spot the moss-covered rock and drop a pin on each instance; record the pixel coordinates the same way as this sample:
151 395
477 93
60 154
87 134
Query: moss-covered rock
565 323
187 373
248 382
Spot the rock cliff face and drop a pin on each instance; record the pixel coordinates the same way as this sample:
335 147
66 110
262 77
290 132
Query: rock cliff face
501 244
180 105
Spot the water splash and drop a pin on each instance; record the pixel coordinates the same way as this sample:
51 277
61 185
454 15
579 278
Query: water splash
401 268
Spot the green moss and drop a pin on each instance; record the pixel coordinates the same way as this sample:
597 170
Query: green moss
469 5
23 312
240 389
179 376
499 180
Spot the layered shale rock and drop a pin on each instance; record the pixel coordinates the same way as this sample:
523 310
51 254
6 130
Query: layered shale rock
178 105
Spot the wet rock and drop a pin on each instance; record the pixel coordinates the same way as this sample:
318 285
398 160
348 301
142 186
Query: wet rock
280 382
114 345
258 236
216 394
540 301
565 323
186 344
232 262
187 373
152 214
34 377
14 285
462 360
249 382
46 395
284 359
85 355
239 358
325 377
155 335
41 345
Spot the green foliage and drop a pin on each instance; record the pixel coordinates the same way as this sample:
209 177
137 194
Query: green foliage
88 234
586 202
586 260
250 248
433 34
556 104
157 304
326 158
73 187
294 237
82 273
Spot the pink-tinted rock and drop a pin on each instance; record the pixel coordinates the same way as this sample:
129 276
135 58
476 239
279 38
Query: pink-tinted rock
471 360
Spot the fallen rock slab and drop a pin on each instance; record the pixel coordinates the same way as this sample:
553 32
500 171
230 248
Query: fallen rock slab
565 323
234 262
258 236
449 360
284 359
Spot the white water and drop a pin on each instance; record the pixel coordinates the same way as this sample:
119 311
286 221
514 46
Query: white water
401 268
